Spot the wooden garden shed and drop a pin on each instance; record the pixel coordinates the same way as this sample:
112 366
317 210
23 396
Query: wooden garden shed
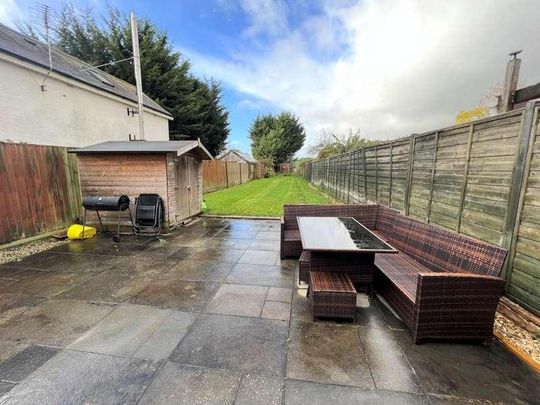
171 169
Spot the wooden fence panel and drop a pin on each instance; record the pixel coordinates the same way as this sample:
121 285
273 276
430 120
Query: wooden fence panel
214 175
480 179
524 263
39 190
219 174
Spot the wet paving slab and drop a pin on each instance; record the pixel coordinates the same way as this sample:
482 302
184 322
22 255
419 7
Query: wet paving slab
18 367
328 354
180 384
271 276
259 257
136 331
104 245
207 314
235 299
471 371
176 294
75 377
301 392
54 323
45 284
256 390
235 343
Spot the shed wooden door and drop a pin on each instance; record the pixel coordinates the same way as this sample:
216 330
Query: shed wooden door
187 190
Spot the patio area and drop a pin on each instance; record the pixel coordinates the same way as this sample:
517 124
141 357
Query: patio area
210 314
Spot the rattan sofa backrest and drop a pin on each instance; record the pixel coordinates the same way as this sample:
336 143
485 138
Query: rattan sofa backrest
443 250
366 214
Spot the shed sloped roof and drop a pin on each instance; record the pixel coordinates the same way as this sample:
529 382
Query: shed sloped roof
178 147
246 156
31 50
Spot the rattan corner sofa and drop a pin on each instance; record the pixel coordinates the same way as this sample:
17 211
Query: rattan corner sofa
443 285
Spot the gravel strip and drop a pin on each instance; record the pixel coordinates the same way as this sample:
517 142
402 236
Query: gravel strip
19 252
527 341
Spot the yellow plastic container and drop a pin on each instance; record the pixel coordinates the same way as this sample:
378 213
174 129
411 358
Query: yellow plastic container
75 231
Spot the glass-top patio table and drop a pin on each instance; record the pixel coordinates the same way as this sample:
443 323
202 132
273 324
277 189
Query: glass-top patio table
342 244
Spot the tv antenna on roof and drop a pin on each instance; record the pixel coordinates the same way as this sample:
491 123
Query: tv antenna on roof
45 20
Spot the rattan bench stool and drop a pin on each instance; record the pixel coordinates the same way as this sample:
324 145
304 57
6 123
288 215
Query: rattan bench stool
333 295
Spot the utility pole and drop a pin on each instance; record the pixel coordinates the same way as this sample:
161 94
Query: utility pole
510 83
138 78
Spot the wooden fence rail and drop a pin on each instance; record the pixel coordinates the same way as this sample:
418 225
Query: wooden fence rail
219 174
480 179
39 190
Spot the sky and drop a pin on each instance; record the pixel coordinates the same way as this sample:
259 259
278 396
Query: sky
388 67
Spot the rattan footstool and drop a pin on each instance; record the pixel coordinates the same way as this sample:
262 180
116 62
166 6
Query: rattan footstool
333 295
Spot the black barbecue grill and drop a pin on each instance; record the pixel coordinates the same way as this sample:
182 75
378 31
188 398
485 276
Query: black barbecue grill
97 204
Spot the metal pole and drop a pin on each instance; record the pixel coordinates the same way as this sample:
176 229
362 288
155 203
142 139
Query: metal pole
138 78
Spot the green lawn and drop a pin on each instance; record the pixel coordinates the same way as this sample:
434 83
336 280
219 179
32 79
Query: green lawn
264 197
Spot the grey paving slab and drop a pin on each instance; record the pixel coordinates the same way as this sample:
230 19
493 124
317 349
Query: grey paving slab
301 306
241 244
9 271
123 331
52 323
167 336
45 284
257 390
327 354
23 363
219 272
264 244
389 366
104 245
268 235
276 310
262 257
235 343
471 371
279 294
192 270
41 261
180 384
287 264
164 249
238 234
12 302
75 262
301 393
271 276
5 387
235 299
75 378
110 286
368 313
176 294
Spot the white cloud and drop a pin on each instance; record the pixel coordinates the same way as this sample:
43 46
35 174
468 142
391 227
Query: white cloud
266 16
9 13
403 66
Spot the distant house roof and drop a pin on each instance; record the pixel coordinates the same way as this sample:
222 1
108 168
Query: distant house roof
28 49
178 147
246 156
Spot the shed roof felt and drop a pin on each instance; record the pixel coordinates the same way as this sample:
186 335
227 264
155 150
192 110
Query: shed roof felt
246 156
177 147
28 49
